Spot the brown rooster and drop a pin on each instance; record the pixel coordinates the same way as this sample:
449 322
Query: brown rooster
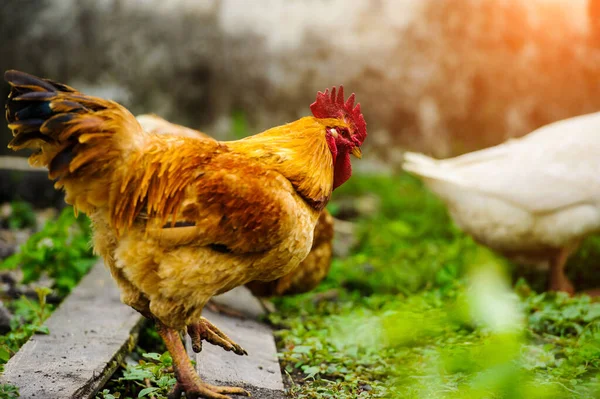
178 219
309 273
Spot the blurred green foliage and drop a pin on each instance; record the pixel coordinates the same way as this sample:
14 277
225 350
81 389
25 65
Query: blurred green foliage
28 319
61 249
419 310
239 125
21 216
408 245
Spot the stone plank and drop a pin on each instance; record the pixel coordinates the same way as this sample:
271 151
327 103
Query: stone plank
90 333
258 372
241 300
11 162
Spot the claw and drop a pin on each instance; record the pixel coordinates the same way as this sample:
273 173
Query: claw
188 380
194 333
204 329
203 390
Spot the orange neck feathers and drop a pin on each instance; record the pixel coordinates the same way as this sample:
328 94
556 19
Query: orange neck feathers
300 152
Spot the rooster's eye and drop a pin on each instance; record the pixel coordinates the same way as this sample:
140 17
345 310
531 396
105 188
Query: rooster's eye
345 133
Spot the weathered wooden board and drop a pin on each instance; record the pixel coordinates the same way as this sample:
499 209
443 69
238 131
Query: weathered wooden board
258 372
90 333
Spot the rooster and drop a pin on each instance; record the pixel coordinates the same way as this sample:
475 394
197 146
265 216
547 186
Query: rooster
180 219
309 273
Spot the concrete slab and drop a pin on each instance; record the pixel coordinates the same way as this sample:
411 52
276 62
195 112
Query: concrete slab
241 300
90 333
258 372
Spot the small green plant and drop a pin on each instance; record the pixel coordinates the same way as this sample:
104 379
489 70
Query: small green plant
152 377
8 391
28 319
21 215
61 249
105 394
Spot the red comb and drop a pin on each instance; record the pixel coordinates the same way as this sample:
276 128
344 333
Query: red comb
331 106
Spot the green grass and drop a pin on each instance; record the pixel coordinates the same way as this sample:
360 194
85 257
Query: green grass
148 373
28 319
418 310
21 216
60 249
151 377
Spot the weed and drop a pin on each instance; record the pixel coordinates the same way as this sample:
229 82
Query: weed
151 376
28 319
61 249
8 391
21 216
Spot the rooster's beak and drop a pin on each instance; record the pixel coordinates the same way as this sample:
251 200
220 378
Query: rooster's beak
357 152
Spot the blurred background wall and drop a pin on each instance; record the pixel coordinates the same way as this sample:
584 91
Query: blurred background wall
440 76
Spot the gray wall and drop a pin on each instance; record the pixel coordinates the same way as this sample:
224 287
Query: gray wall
443 76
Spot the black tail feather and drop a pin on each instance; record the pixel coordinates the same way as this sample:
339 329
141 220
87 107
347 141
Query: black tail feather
24 80
25 126
34 96
73 135
34 110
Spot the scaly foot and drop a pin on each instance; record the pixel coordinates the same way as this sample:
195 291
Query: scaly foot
224 309
188 380
204 329
196 389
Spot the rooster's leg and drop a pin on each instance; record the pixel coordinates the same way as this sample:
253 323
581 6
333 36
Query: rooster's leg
558 280
204 329
188 380
223 309
267 305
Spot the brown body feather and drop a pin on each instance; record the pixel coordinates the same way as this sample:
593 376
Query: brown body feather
310 272
249 207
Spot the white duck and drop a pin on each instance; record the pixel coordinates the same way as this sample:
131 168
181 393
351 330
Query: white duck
531 198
